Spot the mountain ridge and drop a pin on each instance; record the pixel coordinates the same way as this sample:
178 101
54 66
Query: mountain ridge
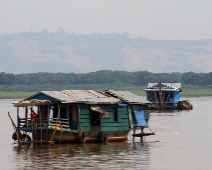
64 52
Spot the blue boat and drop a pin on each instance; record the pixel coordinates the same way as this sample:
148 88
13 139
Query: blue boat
165 96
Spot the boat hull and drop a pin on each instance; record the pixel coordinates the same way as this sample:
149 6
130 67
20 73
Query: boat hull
80 137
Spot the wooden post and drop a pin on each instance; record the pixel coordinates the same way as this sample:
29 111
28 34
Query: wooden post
35 130
17 117
141 137
134 129
48 123
67 112
33 134
26 118
39 111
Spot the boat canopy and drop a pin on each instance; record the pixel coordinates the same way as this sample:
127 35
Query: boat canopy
164 87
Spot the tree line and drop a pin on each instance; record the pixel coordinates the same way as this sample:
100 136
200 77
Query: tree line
138 78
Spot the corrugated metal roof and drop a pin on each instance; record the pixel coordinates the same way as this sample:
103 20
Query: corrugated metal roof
127 96
79 96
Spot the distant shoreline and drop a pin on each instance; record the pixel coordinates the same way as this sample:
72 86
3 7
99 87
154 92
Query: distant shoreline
185 93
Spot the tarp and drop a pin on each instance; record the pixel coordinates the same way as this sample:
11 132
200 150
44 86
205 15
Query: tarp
122 104
139 115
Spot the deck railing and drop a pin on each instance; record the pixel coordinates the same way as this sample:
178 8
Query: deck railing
43 123
59 124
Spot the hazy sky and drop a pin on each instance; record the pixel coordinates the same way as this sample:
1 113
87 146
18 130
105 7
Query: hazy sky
152 19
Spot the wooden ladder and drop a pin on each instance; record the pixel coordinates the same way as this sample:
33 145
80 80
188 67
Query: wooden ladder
142 134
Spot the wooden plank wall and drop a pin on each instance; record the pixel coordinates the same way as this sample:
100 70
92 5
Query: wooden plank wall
107 124
85 117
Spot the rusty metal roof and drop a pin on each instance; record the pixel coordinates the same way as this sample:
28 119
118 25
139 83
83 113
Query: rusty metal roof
127 96
78 96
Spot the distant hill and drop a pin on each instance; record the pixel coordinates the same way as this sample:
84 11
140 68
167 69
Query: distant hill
31 52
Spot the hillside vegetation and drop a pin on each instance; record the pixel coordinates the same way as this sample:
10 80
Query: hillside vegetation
15 84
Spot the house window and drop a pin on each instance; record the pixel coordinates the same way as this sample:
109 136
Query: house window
115 114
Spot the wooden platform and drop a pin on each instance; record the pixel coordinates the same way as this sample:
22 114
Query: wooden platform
142 134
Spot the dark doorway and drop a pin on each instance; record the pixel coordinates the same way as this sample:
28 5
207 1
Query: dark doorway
55 111
63 113
95 118
115 114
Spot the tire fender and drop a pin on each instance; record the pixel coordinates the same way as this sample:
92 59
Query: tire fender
81 136
103 137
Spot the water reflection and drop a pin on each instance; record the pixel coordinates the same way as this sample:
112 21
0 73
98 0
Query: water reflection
184 143
88 156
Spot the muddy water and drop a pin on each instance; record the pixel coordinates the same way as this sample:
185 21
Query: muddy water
185 142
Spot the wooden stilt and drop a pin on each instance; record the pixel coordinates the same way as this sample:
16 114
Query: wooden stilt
33 133
142 134
39 111
141 137
134 129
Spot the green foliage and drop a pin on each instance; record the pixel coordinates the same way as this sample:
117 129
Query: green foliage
102 80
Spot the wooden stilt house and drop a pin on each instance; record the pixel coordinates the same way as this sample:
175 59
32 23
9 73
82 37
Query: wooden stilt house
73 116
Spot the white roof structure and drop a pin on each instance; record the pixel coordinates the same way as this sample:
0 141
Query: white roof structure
164 87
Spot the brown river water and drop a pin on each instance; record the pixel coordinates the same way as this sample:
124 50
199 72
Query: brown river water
183 141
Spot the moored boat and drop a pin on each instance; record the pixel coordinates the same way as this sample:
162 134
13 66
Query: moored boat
166 96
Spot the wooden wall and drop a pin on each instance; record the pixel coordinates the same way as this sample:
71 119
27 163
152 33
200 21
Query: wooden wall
107 124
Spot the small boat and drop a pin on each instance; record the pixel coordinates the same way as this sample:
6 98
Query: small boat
184 105
79 116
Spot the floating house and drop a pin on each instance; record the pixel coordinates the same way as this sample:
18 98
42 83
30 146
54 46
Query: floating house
138 111
133 103
70 116
165 96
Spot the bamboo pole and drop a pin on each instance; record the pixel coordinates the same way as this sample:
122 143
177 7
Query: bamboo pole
16 130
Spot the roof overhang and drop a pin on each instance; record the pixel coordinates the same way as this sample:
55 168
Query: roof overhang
32 102
100 110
